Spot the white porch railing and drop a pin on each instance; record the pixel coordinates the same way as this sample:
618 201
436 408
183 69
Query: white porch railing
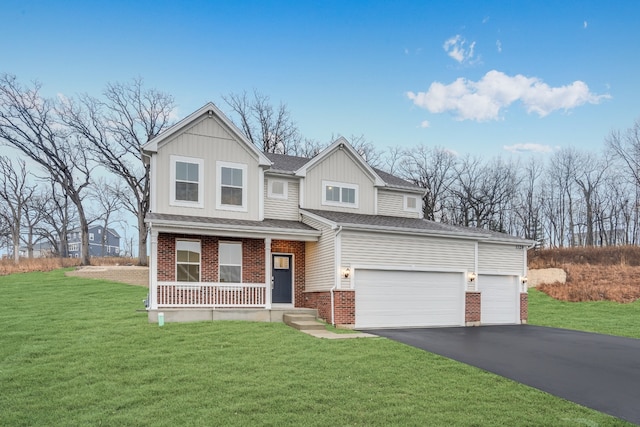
205 294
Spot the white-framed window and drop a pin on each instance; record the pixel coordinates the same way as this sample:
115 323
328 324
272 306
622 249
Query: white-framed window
230 260
99 230
339 194
411 203
188 260
91 237
231 191
277 189
187 183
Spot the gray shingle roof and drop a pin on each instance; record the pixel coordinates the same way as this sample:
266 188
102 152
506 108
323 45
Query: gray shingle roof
376 222
276 224
290 164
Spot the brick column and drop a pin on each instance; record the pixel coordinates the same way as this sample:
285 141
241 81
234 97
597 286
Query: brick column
524 307
472 306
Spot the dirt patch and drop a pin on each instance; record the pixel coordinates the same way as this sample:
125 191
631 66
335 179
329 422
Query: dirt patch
132 275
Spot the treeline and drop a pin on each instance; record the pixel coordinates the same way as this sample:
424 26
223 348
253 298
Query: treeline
62 145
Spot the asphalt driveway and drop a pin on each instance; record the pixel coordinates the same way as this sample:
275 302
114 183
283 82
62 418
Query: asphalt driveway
598 371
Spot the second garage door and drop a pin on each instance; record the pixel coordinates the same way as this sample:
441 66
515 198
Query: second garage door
500 299
389 298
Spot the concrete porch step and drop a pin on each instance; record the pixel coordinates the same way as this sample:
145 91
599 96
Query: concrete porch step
302 322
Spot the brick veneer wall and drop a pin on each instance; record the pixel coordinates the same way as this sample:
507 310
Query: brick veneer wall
253 270
472 308
344 302
524 307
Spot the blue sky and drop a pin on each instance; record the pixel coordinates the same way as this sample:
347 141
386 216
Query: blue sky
471 76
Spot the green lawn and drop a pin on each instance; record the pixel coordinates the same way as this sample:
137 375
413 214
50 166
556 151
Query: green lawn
76 352
603 317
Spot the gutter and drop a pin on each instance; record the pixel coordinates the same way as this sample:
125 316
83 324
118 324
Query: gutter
335 285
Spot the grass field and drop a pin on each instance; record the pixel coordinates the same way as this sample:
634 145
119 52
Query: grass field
75 352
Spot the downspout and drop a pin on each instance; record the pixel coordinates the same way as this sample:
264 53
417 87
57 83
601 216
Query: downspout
335 285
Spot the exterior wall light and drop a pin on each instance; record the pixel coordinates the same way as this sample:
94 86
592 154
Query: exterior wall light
346 272
524 280
471 277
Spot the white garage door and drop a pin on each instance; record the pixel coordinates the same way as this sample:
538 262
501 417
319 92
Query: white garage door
387 298
499 299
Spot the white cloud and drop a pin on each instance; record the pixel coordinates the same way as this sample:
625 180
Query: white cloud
485 99
499 46
485 19
456 48
528 148
584 25
425 124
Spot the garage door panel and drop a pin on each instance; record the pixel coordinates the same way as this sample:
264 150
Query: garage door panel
499 299
386 298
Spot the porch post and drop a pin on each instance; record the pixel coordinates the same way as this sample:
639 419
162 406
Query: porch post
153 271
267 271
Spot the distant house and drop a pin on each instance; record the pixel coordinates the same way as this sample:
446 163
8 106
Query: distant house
41 249
96 249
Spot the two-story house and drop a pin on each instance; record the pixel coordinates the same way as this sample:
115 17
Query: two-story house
236 229
102 243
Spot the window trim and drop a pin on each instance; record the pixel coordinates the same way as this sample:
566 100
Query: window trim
220 264
172 182
91 237
241 166
285 189
199 264
406 203
340 185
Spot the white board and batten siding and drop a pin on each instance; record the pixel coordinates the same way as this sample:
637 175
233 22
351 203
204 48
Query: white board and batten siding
319 258
208 140
343 169
279 208
391 203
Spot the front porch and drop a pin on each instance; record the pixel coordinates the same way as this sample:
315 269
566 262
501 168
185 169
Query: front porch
175 314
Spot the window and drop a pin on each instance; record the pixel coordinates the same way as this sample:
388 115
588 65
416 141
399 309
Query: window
278 189
230 256
232 186
339 194
411 203
99 230
188 260
186 181
91 237
281 262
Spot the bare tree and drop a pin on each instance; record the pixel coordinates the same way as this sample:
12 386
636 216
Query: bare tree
33 212
432 169
30 123
269 128
589 173
58 215
115 129
15 193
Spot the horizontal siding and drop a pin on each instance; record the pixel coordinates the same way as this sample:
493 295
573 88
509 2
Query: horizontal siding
339 167
208 140
320 258
280 208
362 248
391 203
496 258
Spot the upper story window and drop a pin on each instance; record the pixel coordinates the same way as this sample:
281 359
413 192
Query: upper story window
188 260
277 189
91 237
186 181
231 192
339 194
411 203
